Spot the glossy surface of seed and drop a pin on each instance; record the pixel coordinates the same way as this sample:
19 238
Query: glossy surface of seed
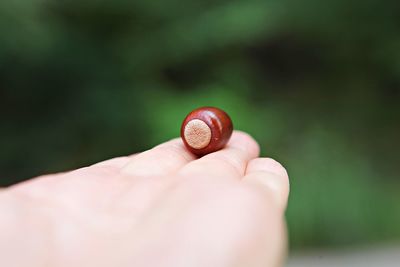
206 130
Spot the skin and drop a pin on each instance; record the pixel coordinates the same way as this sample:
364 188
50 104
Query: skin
162 207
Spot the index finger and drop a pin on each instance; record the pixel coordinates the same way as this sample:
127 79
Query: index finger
230 161
163 159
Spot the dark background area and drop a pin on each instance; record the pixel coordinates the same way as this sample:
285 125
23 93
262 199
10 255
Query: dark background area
315 82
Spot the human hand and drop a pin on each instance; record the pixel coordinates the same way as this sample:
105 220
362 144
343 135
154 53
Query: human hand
162 207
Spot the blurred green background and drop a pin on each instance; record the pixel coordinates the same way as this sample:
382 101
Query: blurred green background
315 82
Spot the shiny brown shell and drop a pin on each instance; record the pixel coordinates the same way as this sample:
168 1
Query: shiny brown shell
206 130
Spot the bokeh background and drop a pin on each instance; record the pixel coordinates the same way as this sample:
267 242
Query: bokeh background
315 82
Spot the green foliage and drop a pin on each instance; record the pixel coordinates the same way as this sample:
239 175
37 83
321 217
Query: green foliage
315 82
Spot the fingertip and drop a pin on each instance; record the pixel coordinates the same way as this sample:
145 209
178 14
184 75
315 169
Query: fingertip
270 175
267 165
244 141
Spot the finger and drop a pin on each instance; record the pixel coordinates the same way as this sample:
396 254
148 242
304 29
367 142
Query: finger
230 161
271 176
163 159
118 162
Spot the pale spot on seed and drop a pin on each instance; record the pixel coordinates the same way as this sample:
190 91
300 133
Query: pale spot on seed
197 134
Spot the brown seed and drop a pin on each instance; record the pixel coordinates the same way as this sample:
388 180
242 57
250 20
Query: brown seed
206 130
